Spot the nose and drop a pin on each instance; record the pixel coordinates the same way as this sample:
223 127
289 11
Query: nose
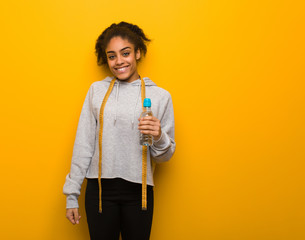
119 60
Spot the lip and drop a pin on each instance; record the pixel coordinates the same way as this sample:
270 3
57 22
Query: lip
122 69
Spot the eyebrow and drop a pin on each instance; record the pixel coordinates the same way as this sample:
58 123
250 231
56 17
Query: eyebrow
120 50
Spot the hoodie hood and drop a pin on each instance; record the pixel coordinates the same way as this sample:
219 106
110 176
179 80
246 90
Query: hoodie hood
137 82
116 91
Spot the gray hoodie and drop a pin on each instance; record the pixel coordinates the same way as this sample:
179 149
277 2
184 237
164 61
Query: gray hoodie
121 151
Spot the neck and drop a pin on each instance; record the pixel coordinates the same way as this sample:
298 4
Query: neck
131 79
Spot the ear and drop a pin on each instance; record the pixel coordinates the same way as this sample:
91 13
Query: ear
138 54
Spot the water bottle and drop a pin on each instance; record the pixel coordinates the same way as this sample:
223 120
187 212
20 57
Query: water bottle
146 139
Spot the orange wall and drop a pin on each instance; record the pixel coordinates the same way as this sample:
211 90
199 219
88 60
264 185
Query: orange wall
235 70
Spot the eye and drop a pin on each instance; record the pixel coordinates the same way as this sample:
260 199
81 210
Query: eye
111 57
125 54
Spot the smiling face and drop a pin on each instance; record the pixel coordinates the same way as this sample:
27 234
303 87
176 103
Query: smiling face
122 59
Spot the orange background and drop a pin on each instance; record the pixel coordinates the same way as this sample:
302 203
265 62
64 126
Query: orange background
235 70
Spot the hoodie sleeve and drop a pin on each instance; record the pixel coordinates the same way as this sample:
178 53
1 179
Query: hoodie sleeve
83 151
163 149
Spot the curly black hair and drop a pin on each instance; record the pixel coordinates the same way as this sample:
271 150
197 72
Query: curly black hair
131 32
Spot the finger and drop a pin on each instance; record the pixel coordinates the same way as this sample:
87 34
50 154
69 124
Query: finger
148 127
152 118
149 132
76 216
147 118
70 216
149 122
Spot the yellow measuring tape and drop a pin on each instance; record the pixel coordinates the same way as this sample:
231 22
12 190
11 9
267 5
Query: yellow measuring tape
144 149
144 158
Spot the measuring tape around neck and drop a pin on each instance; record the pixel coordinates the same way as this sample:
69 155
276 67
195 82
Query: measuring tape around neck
144 149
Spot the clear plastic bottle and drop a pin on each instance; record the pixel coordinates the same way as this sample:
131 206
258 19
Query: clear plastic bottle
146 139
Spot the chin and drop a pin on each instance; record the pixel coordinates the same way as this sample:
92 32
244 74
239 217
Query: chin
123 78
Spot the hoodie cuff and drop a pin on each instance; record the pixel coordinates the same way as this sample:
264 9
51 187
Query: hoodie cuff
163 142
72 201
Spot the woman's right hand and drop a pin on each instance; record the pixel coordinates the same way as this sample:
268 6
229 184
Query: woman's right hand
73 215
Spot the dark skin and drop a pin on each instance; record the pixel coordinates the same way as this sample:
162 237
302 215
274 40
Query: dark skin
150 125
121 53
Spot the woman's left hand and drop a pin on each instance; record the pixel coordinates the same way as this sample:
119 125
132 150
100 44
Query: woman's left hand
150 125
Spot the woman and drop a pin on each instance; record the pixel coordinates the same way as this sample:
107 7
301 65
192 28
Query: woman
119 193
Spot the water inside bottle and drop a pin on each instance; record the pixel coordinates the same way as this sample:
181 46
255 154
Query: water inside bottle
146 139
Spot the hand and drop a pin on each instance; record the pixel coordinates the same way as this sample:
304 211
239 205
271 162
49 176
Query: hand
73 215
150 125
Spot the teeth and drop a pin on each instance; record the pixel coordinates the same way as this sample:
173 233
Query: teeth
121 69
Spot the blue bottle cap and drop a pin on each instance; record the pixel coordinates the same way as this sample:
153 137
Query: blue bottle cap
147 102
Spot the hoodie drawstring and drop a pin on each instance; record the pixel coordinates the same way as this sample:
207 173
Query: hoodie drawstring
116 100
135 107
144 148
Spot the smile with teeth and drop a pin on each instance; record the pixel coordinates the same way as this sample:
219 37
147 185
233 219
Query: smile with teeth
122 69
